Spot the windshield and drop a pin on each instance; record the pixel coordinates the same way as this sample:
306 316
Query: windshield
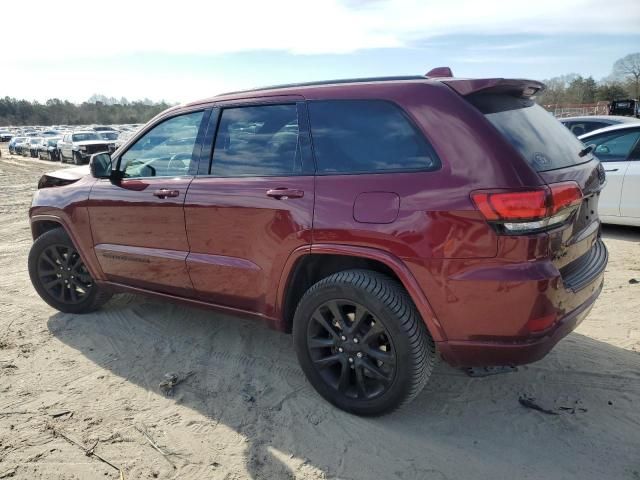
81 137
541 139
109 135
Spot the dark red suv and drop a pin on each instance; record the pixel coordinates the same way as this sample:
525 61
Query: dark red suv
383 221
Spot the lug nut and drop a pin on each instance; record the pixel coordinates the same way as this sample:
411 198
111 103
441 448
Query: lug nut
355 340
350 360
343 338
340 349
359 354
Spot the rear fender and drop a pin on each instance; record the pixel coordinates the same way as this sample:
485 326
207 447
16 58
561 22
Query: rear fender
394 263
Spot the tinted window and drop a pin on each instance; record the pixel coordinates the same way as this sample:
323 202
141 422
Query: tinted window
164 151
352 136
614 146
257 141
591 126
541 139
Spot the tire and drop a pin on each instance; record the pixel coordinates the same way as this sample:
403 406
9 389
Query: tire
361 342
77 160
62 160
54 250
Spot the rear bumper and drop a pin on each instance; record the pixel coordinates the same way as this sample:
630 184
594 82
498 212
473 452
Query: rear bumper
484 354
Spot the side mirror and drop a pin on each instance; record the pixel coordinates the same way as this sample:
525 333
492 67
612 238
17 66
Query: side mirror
100 165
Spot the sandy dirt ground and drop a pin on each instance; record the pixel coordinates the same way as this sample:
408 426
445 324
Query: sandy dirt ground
246 411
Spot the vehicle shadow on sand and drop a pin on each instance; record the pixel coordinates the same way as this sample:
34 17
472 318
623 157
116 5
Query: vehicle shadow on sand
246 378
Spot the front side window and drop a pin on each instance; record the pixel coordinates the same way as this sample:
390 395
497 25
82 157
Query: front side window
366 136
614 146
167 150
257 141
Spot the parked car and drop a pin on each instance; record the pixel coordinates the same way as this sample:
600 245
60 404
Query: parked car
15 145
111 137
50 133
49 149
78 146
32 149
5 135
431 215
618 148
582 125
628 107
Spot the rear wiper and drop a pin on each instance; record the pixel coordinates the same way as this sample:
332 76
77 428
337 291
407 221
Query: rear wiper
586 150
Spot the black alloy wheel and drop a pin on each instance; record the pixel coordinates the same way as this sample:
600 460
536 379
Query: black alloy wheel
63 274
351 350
60 276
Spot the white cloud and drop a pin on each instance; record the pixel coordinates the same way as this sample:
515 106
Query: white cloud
55 49
80 28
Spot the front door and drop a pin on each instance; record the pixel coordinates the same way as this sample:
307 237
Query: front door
613 149
138 223
254 206
630 199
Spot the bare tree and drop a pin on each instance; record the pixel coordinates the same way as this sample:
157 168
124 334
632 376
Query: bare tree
628 67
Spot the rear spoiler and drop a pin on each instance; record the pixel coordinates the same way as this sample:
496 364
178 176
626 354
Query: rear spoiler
509 86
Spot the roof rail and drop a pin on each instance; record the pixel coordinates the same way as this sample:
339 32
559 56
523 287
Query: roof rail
328 82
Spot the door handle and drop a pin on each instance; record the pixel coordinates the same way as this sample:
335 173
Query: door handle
165 192
284 193
611 170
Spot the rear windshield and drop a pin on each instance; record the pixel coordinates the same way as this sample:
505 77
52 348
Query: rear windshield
541 139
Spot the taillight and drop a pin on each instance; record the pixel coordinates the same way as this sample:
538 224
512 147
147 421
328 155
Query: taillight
565 195
525 211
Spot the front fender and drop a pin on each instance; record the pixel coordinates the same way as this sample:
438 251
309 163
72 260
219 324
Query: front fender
67 207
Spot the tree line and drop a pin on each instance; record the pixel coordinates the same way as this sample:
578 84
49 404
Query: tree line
62 112
623 83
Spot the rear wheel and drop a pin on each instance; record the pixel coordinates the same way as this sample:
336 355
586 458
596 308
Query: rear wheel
60 277
361 342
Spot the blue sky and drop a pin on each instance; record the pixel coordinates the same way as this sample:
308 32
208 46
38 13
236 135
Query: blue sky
161 52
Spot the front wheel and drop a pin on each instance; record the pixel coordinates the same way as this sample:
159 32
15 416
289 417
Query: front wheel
77 159
361 342
60 276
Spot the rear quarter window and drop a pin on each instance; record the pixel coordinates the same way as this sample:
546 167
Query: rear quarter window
367 136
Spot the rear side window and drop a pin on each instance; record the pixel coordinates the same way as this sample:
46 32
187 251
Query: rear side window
541 139
366 136
257 141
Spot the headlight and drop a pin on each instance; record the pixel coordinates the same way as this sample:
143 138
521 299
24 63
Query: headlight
83 148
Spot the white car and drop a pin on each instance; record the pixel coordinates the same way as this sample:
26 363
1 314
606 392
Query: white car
618 148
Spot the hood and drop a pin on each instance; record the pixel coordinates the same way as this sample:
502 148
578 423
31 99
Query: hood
64 176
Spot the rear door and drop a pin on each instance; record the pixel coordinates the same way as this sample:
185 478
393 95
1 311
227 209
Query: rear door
253 206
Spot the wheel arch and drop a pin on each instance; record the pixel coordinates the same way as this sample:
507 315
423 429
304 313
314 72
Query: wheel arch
42 223
309 265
